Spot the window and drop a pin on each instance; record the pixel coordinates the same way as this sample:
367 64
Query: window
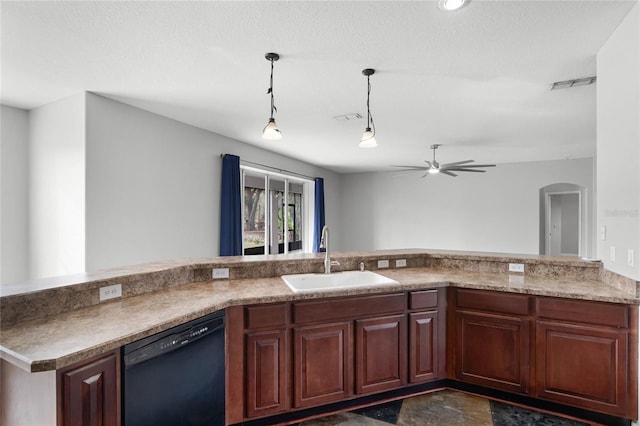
276 212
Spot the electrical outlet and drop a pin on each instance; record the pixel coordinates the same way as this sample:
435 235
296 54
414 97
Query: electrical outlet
110 292
383 264
630 257
612 253
220 273
401 263
516 267
603 232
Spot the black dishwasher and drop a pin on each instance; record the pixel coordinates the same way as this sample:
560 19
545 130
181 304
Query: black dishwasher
176 377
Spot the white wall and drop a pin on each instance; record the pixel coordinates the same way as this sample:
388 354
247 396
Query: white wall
14 200
56 188
497 211
153 185
618 146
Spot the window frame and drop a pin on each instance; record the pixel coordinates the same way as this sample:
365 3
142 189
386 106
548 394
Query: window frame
308 208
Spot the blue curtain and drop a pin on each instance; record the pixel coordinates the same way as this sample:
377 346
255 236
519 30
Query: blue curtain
230 205
318 217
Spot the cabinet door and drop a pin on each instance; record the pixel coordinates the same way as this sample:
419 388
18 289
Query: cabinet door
89 394
582 366
493 351
322 364
381 353
423 346
266 373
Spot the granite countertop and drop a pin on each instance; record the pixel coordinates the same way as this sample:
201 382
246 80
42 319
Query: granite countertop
59 340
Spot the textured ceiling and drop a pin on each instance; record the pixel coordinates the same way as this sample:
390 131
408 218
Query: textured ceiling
476 80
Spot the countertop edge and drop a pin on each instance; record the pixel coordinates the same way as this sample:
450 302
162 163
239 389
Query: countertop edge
423 279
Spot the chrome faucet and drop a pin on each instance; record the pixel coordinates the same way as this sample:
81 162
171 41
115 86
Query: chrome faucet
324 243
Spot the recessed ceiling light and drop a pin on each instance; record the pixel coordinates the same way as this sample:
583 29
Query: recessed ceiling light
451 5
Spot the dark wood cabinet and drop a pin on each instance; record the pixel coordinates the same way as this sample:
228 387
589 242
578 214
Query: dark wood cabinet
267 373
427 335
267 359
493 339
381 353
493 351
302 354
583 364
423 347
309 353
574 352
322 364
89 393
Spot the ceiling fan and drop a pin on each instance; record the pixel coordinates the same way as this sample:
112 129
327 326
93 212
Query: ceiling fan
433 167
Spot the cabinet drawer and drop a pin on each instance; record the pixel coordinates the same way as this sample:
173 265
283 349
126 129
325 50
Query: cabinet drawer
492 301
598 313
348 307
423 299
265 316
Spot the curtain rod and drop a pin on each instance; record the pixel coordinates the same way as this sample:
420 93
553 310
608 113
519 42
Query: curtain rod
251 163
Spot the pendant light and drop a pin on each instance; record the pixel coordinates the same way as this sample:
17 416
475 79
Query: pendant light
271 130
368 138
451 5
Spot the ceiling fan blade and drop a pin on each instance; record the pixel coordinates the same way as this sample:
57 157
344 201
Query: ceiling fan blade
448 173
410 167
465 170
406 172
472 166
457 163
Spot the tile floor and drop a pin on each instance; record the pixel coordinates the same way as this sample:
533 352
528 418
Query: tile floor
443 408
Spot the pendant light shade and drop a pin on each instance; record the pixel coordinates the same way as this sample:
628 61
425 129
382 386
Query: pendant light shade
368 137
451 5
271 131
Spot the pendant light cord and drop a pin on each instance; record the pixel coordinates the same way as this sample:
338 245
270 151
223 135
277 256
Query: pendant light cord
270 91
370 122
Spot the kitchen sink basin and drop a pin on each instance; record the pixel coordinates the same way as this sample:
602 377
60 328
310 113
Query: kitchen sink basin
334 281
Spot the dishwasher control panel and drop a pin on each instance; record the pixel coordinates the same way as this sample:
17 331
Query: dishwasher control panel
171 342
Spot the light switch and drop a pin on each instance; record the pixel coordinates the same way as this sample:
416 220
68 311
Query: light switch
630 257
603 232
612 253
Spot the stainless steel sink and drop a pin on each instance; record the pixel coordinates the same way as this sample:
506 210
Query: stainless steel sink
334 281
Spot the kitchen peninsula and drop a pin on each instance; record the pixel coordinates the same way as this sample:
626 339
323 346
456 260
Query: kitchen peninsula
441 325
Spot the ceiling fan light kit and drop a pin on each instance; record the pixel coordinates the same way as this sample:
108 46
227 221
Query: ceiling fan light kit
433 167
369 136
271 131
